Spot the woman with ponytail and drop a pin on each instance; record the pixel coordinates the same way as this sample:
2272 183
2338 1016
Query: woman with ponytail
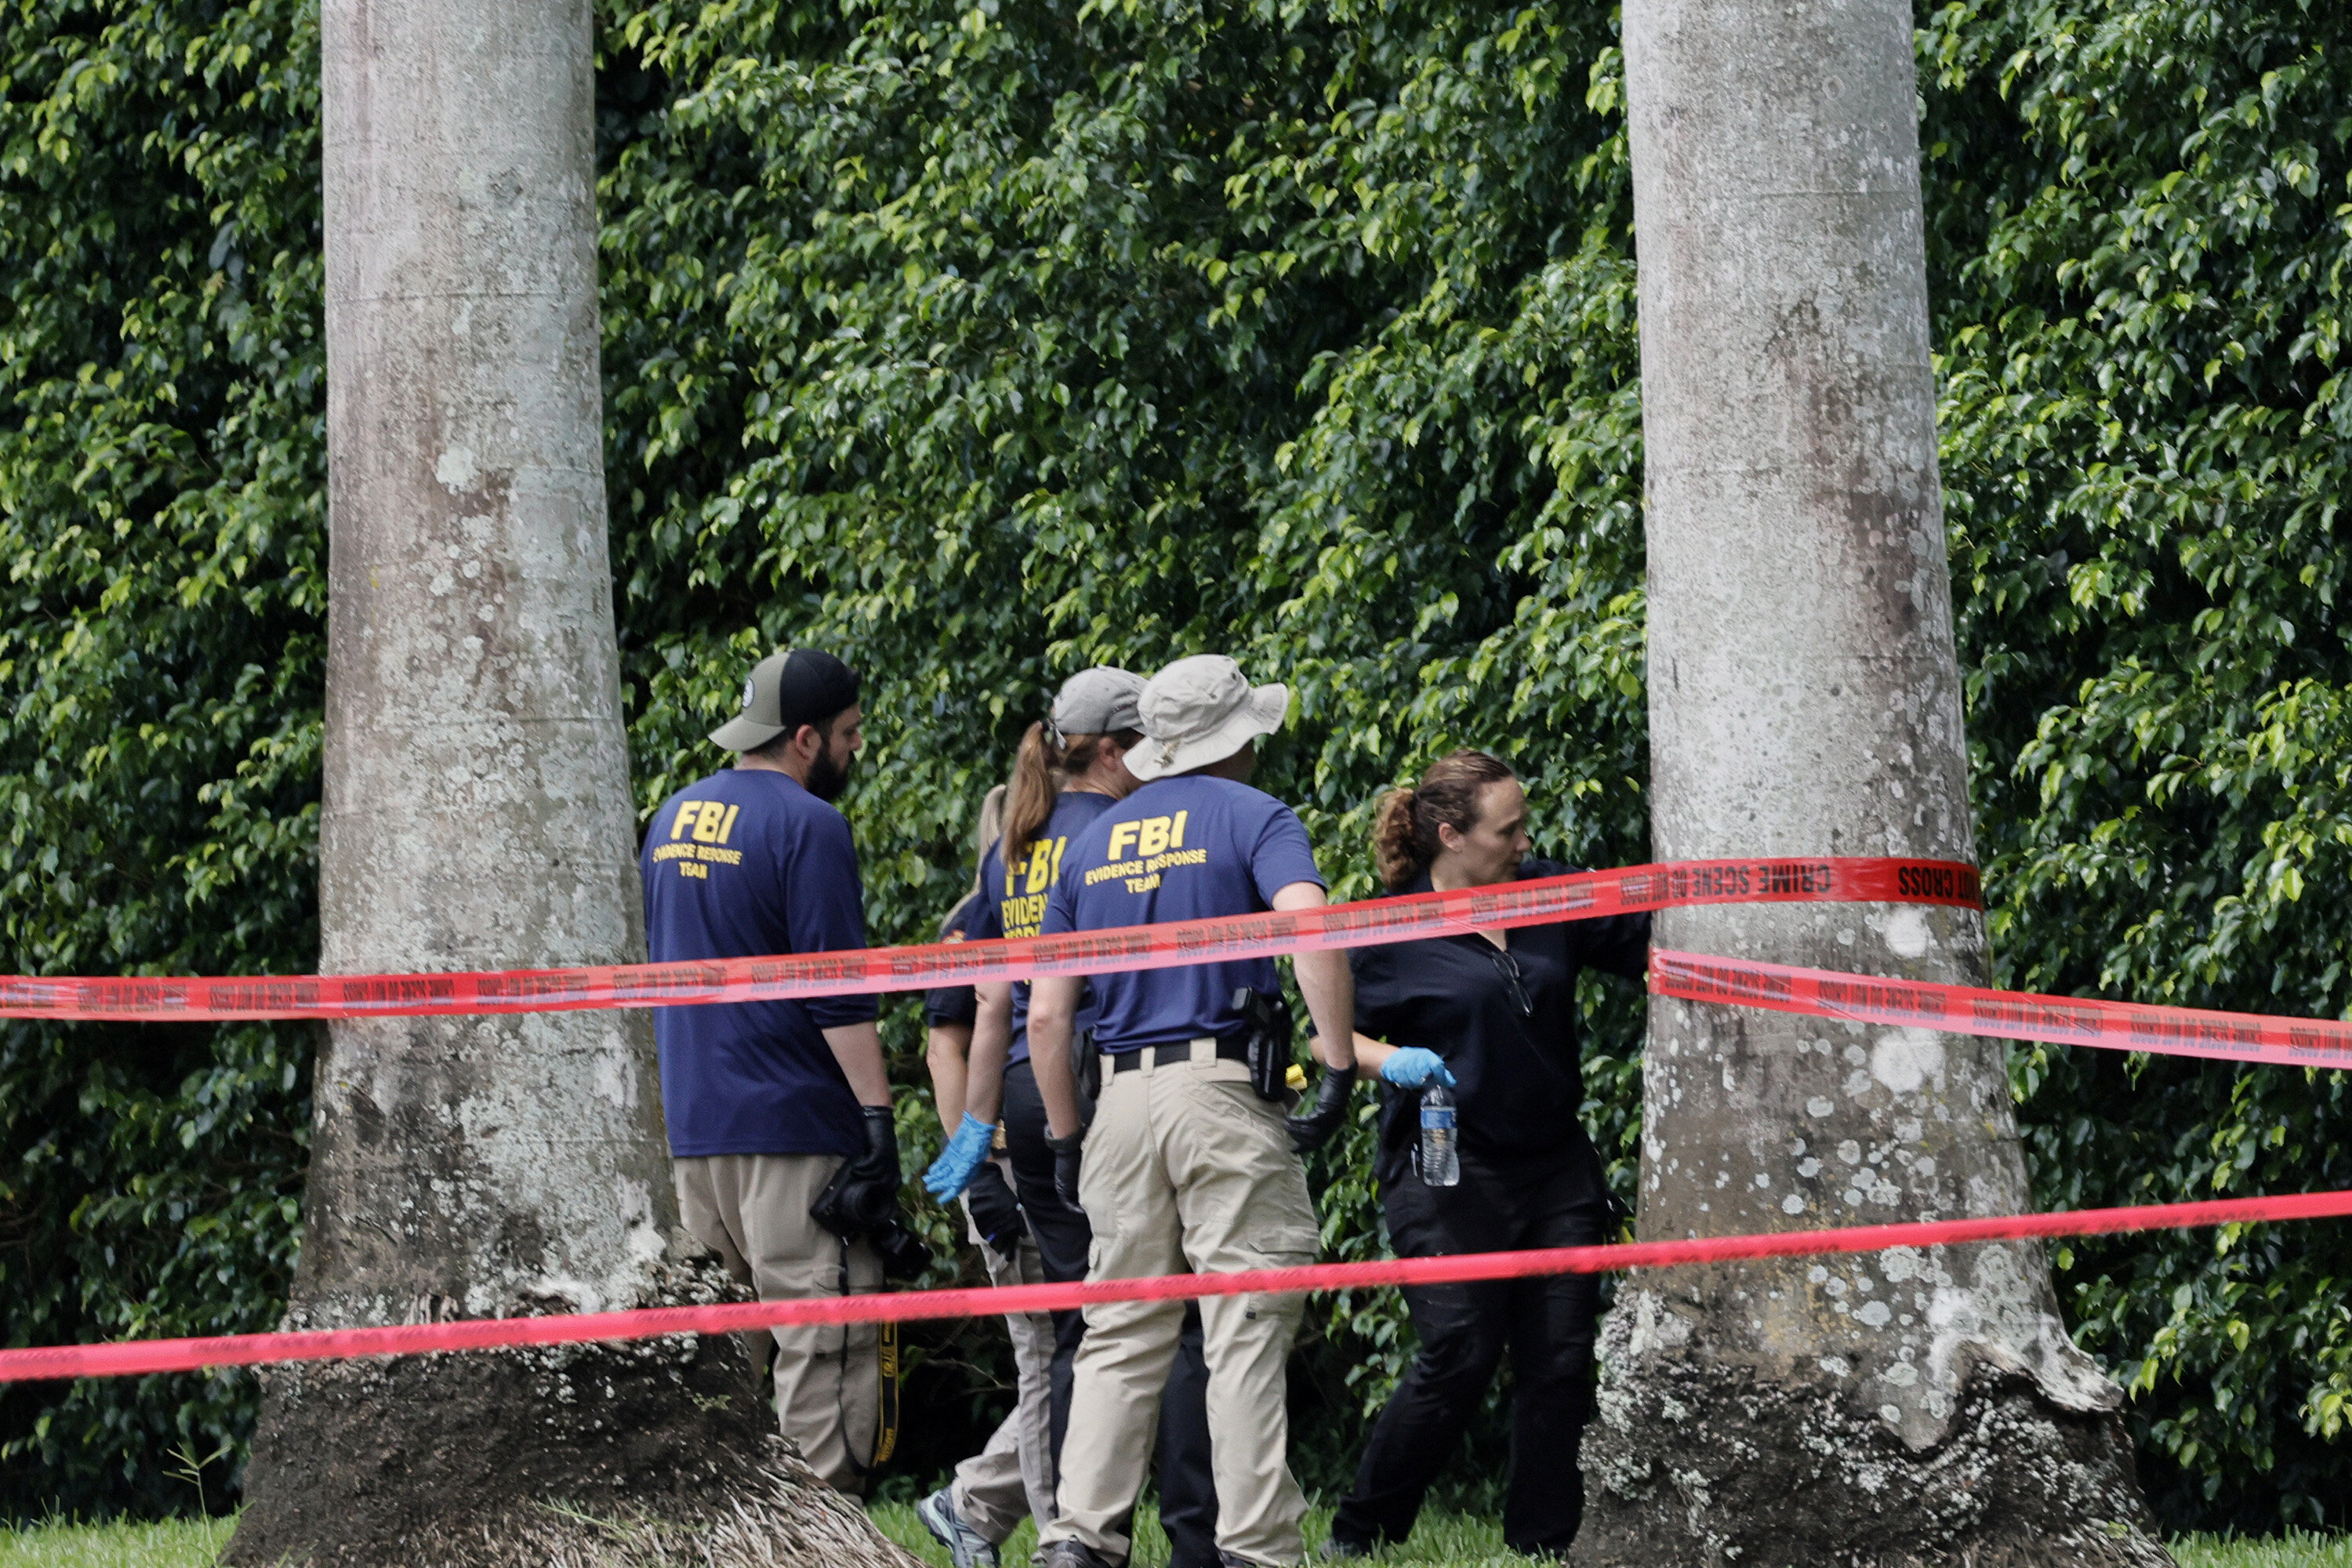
1066 772
1492 1014
1013 1474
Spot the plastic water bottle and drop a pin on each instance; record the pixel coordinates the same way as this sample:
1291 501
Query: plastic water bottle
1441 1160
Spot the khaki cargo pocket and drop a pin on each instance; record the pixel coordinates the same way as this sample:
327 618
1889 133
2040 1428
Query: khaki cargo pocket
1284 1247
1281 1226
1279 1246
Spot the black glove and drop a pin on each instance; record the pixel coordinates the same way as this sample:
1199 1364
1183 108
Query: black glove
1314 1130
1065 1167
995 1212
903 1254
862 1196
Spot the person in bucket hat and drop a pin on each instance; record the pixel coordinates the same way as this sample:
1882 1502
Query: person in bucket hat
1069 770
1201 711
1186 1165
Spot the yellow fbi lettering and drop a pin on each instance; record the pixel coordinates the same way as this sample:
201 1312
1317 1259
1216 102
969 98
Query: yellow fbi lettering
696 829
710 820
1023 909
1148 835
1035 872
1143 876
1140 849
709 854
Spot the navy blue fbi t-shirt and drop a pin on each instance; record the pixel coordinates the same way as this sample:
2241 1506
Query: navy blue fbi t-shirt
747 864
1178 850
1017 897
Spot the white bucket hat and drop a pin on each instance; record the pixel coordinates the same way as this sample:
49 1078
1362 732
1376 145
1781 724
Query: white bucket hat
1200 711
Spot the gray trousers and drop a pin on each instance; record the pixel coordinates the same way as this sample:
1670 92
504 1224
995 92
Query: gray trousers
1013 1475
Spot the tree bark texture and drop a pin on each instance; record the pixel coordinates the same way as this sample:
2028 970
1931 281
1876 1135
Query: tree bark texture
478 815
1911 1406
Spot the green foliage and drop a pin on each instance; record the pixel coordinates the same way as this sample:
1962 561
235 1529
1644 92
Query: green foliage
160 525
1066 334
983 341
2145 427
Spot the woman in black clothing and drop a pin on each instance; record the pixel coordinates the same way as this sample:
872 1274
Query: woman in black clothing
1493 1013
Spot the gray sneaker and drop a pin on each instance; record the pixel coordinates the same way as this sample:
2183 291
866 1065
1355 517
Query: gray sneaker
966 1545
1069 1554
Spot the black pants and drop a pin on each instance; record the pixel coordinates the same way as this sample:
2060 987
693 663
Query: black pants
1547 1324
1188 1489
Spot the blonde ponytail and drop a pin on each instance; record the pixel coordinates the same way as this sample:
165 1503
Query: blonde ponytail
1037 768
991 828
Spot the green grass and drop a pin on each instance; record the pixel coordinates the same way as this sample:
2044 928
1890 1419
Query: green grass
1448 1537
1460 1541
2295 1550
1451 1539
174 1544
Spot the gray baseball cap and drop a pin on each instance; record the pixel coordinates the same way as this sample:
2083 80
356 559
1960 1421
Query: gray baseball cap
1097 701
785 690
1200 711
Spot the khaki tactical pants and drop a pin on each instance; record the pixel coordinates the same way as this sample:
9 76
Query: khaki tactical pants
1185 1165
1013 1477
752 1210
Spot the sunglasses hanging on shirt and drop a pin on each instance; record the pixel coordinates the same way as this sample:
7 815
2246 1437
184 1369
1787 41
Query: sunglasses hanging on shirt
1512 978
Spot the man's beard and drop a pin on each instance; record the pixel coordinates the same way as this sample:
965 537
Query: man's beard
826 778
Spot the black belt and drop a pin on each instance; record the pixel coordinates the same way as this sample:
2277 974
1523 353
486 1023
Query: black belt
1233 1051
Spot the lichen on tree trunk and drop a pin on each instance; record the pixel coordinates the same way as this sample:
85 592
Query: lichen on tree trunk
1915 1407
476 815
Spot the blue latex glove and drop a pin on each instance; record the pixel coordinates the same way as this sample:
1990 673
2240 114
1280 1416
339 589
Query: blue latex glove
951 1171
1412 1066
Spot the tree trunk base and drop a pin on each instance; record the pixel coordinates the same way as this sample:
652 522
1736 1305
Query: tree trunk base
1692 1466
590 1456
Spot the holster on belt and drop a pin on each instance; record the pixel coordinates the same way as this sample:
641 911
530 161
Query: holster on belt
1087 1066
1273 1042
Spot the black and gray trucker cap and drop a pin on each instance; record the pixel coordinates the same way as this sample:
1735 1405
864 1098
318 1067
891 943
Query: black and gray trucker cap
785 690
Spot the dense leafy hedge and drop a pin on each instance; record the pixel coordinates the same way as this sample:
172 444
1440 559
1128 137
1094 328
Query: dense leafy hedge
162 503
984 341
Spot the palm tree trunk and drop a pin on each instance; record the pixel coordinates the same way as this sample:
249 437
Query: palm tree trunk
1805 699
478 815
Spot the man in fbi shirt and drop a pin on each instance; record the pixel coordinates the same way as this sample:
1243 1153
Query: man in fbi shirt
767 1102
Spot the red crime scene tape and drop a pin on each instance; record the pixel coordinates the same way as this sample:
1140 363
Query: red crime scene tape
137 1357
1583 895
2005 1015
